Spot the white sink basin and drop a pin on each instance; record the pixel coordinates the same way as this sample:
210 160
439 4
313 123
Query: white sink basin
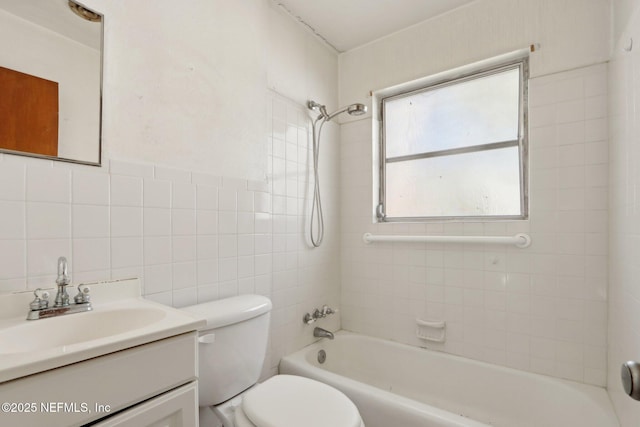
120 319
64 331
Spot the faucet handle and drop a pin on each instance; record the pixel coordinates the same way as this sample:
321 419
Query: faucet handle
40 301
326 310
83 295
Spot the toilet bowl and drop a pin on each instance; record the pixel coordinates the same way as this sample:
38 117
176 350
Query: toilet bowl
232 347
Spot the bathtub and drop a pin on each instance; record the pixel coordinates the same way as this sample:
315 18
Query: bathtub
396 385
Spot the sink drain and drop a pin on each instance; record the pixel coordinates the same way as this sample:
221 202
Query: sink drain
322 356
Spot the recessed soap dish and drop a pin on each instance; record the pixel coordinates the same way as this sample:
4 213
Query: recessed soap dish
434 331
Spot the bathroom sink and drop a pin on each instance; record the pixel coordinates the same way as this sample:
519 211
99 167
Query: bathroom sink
120 319
75 329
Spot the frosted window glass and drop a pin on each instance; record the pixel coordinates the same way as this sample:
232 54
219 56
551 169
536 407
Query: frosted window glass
482 183
473 112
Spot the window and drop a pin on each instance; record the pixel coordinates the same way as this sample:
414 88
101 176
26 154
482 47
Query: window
456 149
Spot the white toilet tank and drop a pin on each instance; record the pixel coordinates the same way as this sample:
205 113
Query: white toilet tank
232 345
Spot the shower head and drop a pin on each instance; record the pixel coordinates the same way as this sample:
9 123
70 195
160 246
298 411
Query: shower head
353 110
356 109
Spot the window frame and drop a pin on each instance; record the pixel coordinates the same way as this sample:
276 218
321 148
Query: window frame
521 142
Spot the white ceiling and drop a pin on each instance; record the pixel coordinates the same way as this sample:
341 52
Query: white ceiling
346 24
56 16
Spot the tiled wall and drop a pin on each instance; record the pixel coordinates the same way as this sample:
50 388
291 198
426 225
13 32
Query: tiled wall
624 224
541 309
191 237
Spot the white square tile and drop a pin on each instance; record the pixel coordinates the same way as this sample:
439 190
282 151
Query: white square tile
48 221
156 194
263 264
90 188
12 181
126 221
12 225
246 285
206 222
245 223
596 130
183 248
227 269
207 246
90 221
207 271
126 252
13 260
227 246
227 199
206 198
126 191
262 244
183 196
570 111
183 222
245 201
184 275
157 250
157 222
91 255
48 185
245 244
227 223
158 278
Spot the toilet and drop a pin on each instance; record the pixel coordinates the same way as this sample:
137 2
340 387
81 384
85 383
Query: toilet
232 348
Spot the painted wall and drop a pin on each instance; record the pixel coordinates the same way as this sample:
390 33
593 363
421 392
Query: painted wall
35 50
541 309
571 33
624 302
191 235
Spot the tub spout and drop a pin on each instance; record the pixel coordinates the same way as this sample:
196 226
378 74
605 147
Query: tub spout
322 333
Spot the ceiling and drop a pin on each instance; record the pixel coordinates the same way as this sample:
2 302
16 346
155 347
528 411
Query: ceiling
56 16
346 24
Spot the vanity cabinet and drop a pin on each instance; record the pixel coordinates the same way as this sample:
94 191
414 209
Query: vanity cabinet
154 384
172 409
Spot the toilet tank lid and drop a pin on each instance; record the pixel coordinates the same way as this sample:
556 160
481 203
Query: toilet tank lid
232 310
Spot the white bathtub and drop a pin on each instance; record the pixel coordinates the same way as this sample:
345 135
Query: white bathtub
396 385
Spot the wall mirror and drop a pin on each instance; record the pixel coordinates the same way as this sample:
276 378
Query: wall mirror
51 80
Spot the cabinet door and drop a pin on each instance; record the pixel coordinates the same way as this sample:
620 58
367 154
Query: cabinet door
176 408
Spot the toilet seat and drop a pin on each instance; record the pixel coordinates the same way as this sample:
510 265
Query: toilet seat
292 401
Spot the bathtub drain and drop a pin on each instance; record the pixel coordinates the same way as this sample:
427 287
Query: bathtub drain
322 356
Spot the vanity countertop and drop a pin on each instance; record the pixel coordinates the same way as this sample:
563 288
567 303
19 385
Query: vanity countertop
120 319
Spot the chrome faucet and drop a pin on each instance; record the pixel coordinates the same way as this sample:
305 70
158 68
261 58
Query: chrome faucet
39 307
62 297
322 333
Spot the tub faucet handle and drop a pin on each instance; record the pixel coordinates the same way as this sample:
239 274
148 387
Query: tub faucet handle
326 310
